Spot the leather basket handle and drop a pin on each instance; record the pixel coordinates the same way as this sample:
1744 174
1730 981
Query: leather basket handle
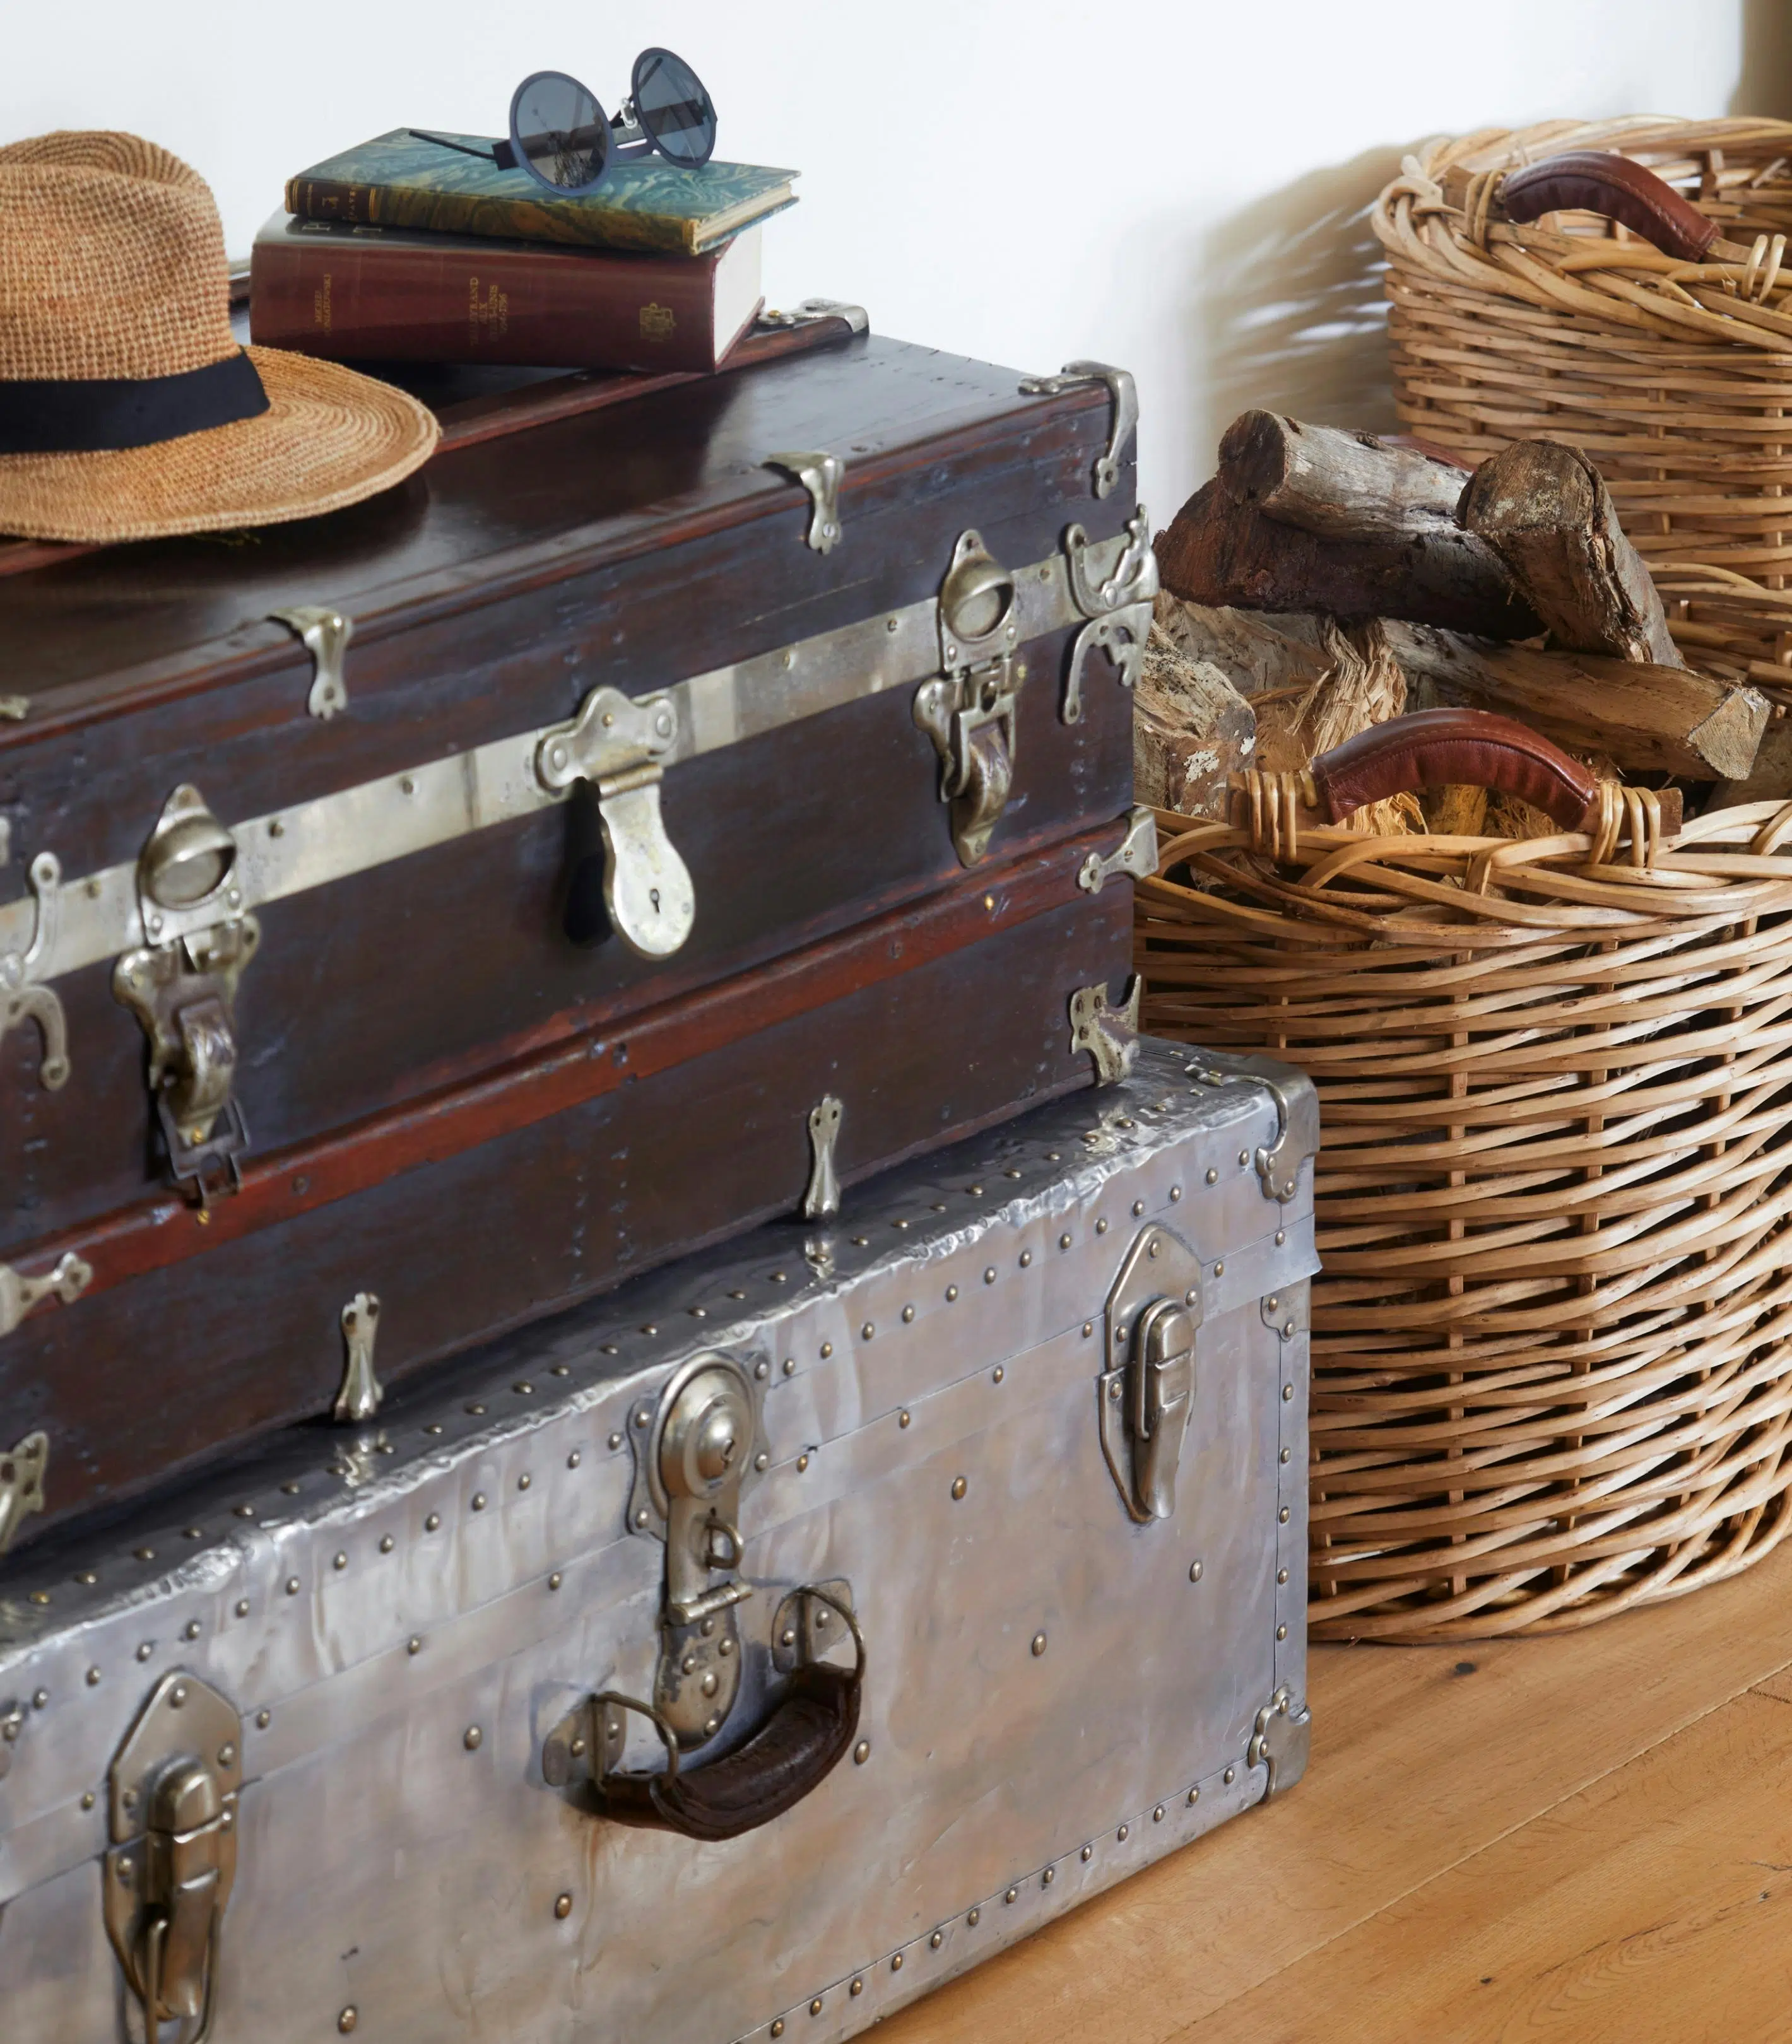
1597 181
788 1756
1434 748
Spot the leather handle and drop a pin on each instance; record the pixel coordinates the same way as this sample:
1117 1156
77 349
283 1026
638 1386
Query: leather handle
1434 748
1596 181
787 1757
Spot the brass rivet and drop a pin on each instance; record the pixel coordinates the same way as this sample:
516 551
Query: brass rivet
1100 1228
1282 1632
1063 1242
1281 1236
144 1651
1230 1776
523 1388
989 1275
867 1330
789 1637
1156 1247
1194 1572
1138 1209
525 1481
1193 1797
190 1630
827 1349
802 1463
896 1963
861 1241
862 1752
997 1374
641 1517
1282 1575
777 2027
1212 1176
563 1907
472 1739
761 1461
1244 1158
951 1295
146 1554
1026 1259
1157 1814
976 1192
615 1441
88 1576
386 1543
346 2020
1191 1295
1012 1894
554 1581
858 1986
975 1918
561 1369
908 1315
1124 1833
1220 1269
902 1418
642 1417
1285 1454
1049 1876
937 1939
479 1500
341 1562
414 1645
815 2006
242 1607
292 1586
432 1522
478 1411
789 1365
1088 1329
1281 1516
1175 1192
264 1719
651 1328
960 1486
227 1755
1038 1645
88 1799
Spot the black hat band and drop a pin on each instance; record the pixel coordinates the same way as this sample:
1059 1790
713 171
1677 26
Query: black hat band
100 414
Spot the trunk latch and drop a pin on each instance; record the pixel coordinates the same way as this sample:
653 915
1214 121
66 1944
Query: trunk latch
971 711
1146 1392
173 1792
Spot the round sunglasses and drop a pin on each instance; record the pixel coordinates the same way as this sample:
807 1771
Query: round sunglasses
561 136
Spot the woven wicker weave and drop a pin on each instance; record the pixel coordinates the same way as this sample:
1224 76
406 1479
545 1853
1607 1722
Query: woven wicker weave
1551 1371
1675 377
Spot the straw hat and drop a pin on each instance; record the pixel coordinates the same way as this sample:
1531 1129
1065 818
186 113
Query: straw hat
127 410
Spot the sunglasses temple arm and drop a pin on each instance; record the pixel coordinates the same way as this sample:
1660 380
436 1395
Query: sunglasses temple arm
500 153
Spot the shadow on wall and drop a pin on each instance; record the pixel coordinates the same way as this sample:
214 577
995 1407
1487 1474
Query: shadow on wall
1291 300
1765 85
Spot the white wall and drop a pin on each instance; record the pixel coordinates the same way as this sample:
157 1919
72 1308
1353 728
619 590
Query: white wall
1173 185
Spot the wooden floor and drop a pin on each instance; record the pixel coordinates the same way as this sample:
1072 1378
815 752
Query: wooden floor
1575 1839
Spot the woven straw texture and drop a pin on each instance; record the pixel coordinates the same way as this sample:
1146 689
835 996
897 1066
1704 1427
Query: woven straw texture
1674 377
111 265
1551 1371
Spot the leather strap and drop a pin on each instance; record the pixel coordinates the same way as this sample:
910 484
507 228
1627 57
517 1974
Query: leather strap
792 1752
1596 181
93 415
1434 748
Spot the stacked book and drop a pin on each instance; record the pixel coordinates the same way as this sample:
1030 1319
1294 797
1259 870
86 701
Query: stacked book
401 251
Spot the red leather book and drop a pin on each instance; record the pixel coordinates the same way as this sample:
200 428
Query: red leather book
394 294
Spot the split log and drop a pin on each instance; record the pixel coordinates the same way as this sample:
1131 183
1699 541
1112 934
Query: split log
1646 718
1342 486
1770 778
1255 650
1190 729
1217 551
1545 510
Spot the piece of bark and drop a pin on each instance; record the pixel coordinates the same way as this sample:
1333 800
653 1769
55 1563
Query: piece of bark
1646 717
1545 509
1340 485
1770 778
1255 650
1217 551
1190 729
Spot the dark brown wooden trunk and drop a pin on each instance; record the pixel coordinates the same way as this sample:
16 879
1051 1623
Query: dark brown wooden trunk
600 1153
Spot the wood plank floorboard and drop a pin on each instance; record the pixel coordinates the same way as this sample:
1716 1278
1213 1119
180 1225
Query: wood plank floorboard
1428 1762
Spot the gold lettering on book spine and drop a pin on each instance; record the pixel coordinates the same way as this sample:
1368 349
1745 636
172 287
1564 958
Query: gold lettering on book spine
320 310
657 322
487 317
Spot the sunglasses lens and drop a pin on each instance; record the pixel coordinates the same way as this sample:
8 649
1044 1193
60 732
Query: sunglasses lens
673 107
560 130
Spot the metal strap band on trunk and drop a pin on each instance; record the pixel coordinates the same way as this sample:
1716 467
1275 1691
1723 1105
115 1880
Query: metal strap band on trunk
338 835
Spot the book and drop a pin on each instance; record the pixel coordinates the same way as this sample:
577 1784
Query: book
396 180
396 294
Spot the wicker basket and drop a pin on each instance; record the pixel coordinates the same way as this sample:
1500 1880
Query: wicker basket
1676 376
1550 1376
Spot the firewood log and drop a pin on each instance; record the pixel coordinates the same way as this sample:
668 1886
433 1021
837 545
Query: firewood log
1342 486
1190 729
1646 718
1218 551
1545 509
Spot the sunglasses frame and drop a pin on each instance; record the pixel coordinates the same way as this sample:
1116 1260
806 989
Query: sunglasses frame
626 136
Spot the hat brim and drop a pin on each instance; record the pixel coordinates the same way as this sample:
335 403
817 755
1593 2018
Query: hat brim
329 437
